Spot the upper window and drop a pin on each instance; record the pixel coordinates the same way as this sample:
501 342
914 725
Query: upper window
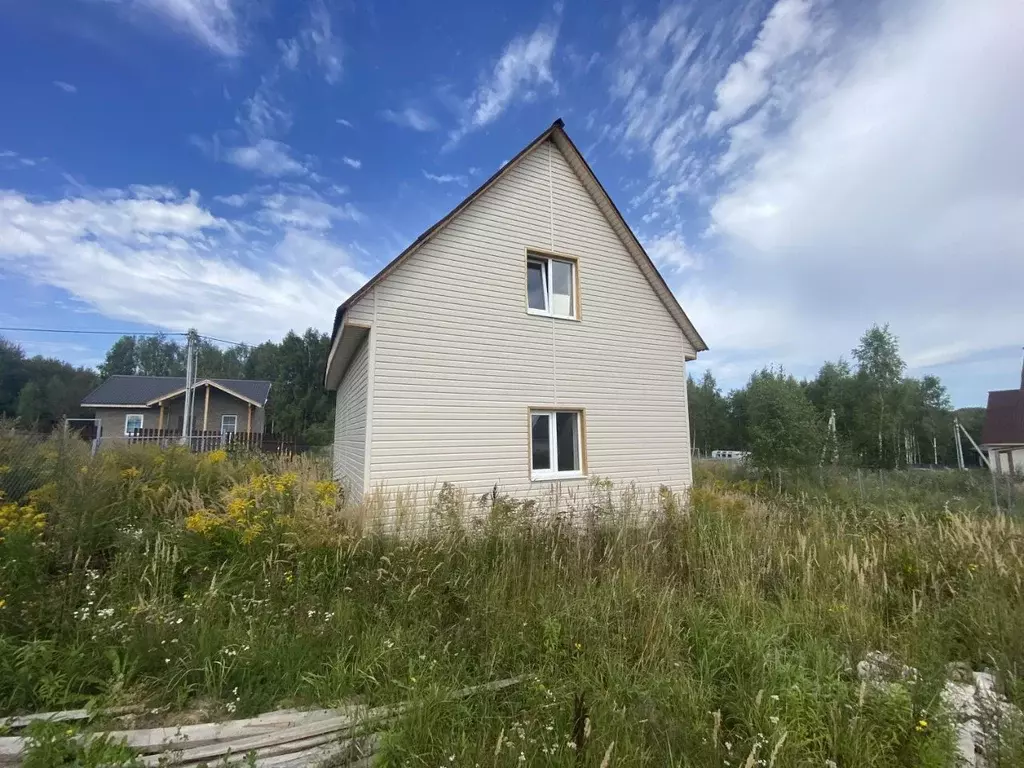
228 423
132 422
556 444
551 286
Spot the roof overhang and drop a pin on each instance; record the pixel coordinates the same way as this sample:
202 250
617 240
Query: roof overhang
114 405
206 383
344 347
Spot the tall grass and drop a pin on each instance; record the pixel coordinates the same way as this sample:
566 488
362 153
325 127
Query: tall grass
722 632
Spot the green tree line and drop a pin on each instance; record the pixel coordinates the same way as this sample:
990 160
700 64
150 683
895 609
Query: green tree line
40 391
883 418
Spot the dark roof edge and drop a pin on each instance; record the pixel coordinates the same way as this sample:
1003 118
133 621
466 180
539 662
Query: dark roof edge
698 342
427 234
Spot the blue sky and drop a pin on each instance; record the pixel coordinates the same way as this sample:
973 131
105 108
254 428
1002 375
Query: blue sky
798 169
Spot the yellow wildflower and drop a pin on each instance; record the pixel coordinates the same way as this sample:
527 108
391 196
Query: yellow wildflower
251 533
201 522
3 603
285 482
216 457
130 473
326 492
921 726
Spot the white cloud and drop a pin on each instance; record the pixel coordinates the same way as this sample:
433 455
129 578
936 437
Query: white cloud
235 201
894 180
265 113
351 162
524 65
446 178
344 122
322 42
845 185
785 32
306 211
267 157
290 53
66 87
173 264
213 23
410 117
670 252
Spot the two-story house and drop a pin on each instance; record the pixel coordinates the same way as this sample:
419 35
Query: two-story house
524 340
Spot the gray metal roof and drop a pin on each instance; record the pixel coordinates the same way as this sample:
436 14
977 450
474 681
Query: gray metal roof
139 390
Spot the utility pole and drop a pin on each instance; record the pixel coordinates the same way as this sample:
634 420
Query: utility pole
191 360
958 444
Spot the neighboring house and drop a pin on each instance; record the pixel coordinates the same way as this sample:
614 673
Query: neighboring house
526 340
1002 436
124 404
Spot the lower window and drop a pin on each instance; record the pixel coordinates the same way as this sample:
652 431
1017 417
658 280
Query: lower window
556 444
228 423
132 422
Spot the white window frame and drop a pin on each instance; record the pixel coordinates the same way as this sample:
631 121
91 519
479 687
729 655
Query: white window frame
233 416
142 422
553 473
547 261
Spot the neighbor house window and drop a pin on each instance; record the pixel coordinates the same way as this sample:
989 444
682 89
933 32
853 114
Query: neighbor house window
228 423
132 422
551 286
556 444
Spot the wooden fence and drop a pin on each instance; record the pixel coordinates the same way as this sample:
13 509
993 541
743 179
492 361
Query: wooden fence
202 441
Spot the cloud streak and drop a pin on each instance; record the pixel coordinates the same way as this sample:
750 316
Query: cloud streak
839 187
266 157
212 23
410 117
173 264
523 67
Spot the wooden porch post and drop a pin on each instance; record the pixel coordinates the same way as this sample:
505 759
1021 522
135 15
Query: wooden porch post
248 421
206 407
160 421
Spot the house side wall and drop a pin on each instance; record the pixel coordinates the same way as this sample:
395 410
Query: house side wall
1003 460
110 421
350 424
221 404
458 360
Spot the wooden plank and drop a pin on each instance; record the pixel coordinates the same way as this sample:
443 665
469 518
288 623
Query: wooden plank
65 716
342 726
156 739
358 751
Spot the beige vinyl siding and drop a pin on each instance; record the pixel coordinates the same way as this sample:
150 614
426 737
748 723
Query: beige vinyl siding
458 360
361 313
350 424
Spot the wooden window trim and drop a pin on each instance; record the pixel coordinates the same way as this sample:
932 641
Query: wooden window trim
228 416
142 421
541 253
584 471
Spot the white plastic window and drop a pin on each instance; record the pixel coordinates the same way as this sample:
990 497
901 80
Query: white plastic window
556 445
551 286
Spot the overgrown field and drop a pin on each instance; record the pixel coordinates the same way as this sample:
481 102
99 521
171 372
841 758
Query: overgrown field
719 633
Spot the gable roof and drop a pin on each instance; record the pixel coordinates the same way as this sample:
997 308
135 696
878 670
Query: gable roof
1004 418
142 391
556 133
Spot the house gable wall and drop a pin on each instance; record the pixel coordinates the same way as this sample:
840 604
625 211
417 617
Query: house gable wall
458 360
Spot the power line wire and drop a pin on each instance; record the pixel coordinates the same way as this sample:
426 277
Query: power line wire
122 333
79 330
